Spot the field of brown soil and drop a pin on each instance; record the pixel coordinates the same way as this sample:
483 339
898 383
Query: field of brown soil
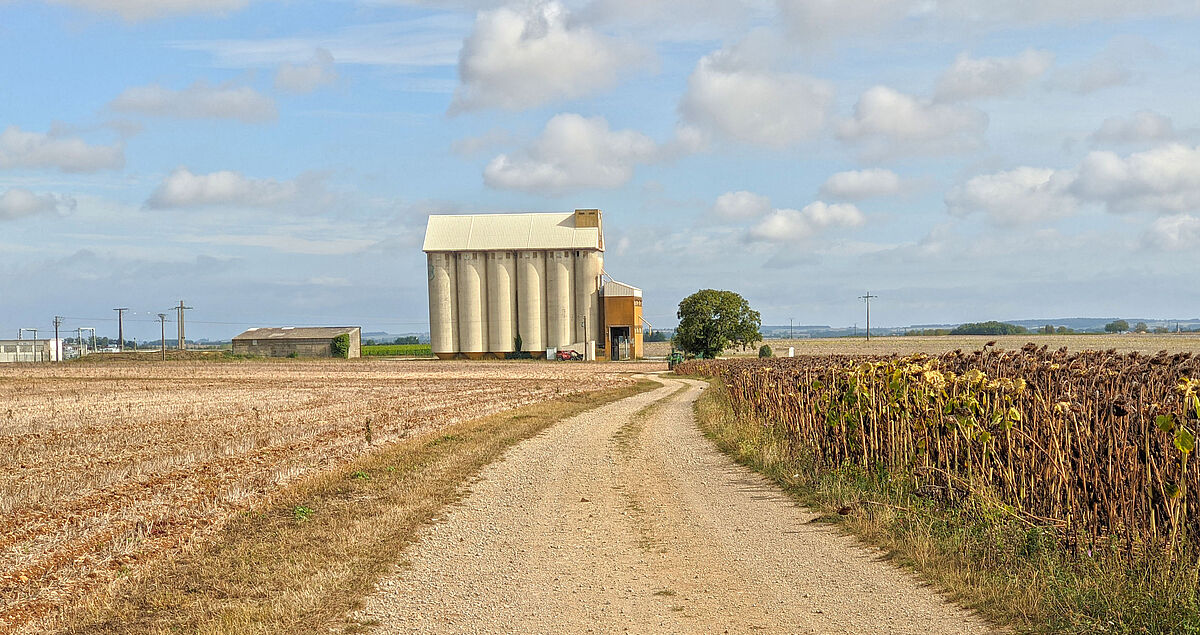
1125 343
103 466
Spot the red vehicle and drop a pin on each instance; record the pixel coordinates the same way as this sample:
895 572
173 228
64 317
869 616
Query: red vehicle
566 356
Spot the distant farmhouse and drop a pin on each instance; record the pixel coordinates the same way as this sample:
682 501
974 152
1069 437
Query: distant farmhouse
31 350
289 341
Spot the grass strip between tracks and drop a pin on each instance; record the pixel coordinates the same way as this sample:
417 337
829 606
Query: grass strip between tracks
305 561
980 558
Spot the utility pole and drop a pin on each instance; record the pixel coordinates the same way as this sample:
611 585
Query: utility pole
868 297
162 322
121 329
182 334
58 347
790 328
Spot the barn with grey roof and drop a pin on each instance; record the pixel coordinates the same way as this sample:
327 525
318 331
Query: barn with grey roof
297 341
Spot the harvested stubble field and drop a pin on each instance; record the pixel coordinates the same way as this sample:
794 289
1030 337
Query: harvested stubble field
106 465
934 345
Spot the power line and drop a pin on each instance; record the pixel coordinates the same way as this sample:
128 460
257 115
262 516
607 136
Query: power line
121 328
868 297
182 333
162 321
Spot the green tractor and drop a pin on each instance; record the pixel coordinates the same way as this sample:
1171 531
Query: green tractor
674 359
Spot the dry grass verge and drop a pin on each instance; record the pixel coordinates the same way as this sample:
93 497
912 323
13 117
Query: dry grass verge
1011 573
303 562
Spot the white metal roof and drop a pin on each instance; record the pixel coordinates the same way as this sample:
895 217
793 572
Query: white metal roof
491 232
612 288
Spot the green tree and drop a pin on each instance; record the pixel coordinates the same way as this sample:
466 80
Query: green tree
340 347
765 351
1141 328
989 328
711 321
1116 326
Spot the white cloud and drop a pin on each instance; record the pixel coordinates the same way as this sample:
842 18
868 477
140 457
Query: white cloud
971 78
817 20
1140 127
1173 233
17 202
1163 180
182 188
419 43
573 152
1022 195
133 10
309 76
725 95
741 205
198 101
521 58
21 149
855 185
892 123
1095 75
788 225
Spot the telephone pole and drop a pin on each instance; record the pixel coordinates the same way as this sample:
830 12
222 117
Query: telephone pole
121 329
58 347
790 327
162 322
182 334
868 297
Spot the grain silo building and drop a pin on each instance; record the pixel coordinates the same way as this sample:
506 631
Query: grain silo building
505 285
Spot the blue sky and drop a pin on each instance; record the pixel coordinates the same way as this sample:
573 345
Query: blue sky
273 162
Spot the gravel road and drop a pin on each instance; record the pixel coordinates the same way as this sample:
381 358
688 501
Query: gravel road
626 518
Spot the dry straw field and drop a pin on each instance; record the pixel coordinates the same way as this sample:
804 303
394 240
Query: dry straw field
106 465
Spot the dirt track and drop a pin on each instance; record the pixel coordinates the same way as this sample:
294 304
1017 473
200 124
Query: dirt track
627 518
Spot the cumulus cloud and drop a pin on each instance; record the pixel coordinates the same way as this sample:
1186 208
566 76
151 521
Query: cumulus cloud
21 149
198 101
183 189
788 225
891 123
1014 197
1140 127
134 10
309 76
729 97
573 152
1174 233
521 57
972 78
741 205
18 202
1165 180
817 20
1095 75
855 185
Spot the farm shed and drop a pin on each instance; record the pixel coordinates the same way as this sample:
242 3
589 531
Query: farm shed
296 341
30 350
499 282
